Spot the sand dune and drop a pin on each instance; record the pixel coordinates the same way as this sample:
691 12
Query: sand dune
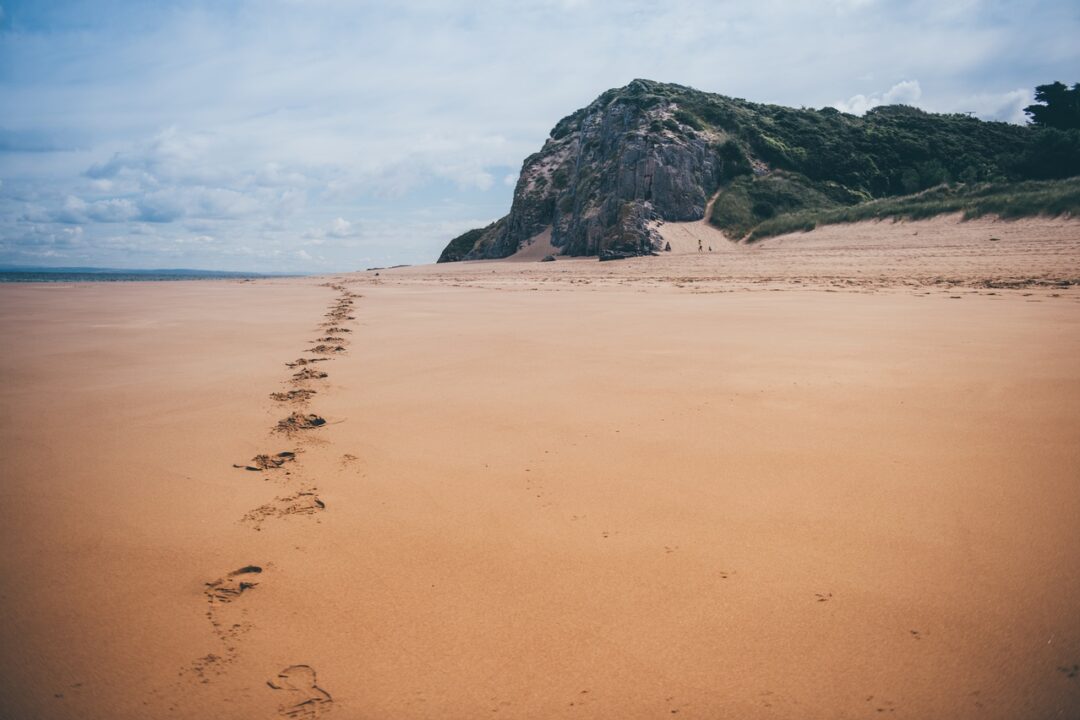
830 476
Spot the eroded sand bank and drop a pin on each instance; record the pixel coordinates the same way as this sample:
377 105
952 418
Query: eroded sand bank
565 489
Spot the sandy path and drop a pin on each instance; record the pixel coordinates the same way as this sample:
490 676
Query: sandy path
614 498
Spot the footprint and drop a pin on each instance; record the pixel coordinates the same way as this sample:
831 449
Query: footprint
333 329
268 462
230 587
302 502
305 361
1070 672
300 396
823 597
331 339
301 696
323 349
299 421
308 374
227 625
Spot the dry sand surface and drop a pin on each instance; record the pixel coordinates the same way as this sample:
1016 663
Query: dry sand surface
833 476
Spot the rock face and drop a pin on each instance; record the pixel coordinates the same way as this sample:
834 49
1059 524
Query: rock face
602 175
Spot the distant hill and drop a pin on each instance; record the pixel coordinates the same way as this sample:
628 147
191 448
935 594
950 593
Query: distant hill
653 151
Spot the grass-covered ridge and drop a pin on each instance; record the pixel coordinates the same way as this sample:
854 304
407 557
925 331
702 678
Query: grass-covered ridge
1005 200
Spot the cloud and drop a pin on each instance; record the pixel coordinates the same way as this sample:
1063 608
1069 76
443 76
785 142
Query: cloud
1006 107
38 241
196 202
906 92
160 208
113 210
337 229
195 239
170 156
75 210
341 228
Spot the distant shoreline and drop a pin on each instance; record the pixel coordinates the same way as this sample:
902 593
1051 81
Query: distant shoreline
107 275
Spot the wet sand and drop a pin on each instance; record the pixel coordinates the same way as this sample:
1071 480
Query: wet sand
753 488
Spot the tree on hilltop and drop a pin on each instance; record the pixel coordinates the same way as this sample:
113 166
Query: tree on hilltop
1058 106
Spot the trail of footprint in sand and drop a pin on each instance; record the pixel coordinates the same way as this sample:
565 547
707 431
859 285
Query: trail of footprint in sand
301 695
303 698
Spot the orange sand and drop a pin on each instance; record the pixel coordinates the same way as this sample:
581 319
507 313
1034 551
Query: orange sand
556 490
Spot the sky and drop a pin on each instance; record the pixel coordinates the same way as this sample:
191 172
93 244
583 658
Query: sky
334 135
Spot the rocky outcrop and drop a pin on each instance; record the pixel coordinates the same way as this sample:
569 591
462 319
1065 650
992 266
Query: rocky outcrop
653 151
603 174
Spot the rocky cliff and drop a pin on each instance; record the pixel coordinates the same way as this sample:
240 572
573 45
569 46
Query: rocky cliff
602 174
653 151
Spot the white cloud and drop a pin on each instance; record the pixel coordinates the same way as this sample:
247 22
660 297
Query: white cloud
1007 107
906 92
341 228
41 238
112 210
196 239
337 229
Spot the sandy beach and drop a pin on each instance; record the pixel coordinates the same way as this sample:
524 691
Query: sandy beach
833 475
